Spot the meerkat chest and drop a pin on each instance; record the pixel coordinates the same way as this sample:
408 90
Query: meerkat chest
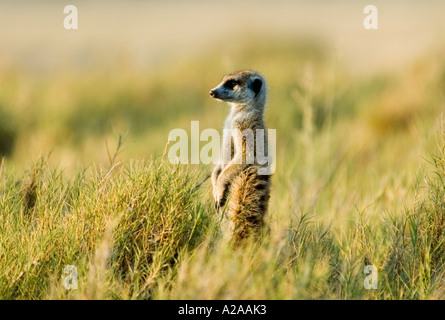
227 142
228 122
227 132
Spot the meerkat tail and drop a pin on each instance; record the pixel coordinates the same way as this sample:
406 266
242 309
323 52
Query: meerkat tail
248 204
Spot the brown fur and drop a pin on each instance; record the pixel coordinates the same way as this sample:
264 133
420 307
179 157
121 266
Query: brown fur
248 204
246 191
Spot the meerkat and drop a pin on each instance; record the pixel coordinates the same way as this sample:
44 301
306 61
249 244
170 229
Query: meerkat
240 185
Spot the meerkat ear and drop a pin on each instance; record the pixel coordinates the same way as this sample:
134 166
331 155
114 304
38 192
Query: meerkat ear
256 86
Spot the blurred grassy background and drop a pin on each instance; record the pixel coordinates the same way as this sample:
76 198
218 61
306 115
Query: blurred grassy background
356 114
144 68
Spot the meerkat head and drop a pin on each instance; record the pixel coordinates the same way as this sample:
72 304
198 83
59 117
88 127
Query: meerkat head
243 87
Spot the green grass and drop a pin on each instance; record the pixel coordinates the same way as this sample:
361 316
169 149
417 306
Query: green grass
123 227
360 180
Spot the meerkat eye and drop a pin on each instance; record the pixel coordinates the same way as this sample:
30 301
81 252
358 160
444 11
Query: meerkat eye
230 84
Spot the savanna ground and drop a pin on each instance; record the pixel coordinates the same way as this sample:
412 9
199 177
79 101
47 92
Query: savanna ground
360 179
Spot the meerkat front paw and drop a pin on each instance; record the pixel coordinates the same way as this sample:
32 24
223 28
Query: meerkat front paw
220 192
215 175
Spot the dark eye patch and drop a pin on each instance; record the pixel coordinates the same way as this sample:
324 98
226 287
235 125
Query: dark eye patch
230 84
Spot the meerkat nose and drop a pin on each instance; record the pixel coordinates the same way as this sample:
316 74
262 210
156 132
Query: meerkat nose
212 93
